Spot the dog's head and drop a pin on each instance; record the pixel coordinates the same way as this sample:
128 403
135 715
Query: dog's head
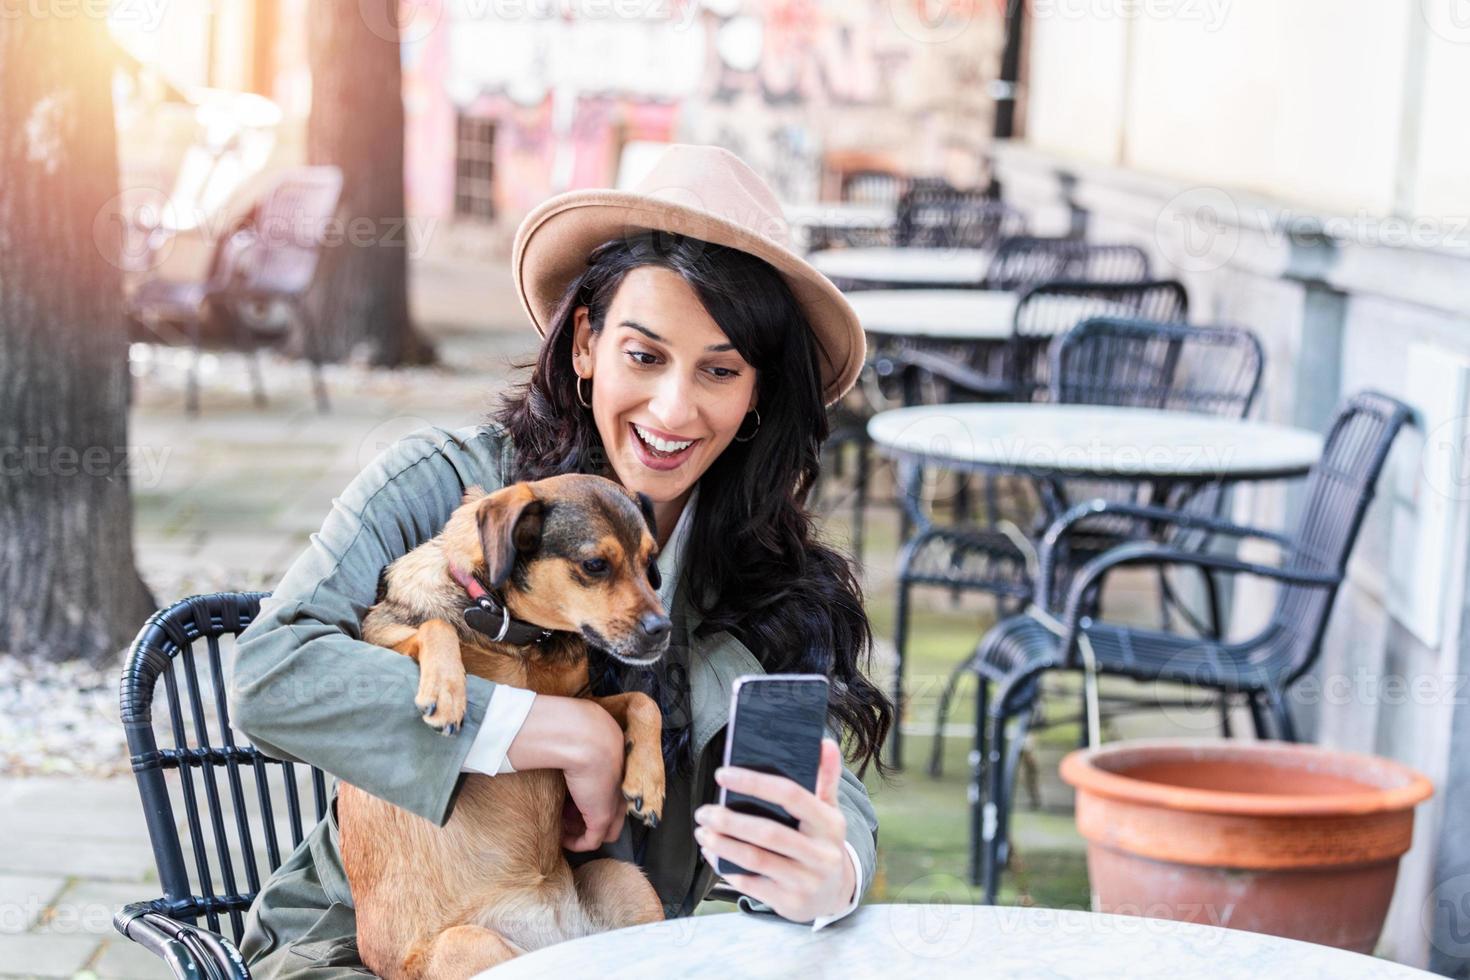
573 553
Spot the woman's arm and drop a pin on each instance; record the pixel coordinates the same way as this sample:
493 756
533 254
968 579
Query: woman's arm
307 687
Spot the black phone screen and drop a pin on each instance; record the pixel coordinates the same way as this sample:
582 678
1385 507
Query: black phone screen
776 726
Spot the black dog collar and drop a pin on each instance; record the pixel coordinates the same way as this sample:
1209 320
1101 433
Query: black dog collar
488 616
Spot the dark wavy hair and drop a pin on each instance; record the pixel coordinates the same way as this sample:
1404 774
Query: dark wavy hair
793 601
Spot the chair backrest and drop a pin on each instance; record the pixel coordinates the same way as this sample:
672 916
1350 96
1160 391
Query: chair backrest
1052 308
1145 364
290 225
1339 489
935 215
1025 260
219 828
872 187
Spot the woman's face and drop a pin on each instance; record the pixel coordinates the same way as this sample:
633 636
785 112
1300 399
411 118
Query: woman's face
662 369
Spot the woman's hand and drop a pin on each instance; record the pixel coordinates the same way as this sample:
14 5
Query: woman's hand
578 737
801 874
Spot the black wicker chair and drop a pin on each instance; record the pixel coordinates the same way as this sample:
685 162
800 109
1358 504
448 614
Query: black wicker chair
1012 657
1213 370
185 781
935 215
1050 309
1136 364
1026 260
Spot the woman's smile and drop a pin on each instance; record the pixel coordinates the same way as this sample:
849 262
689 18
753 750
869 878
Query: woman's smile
659 451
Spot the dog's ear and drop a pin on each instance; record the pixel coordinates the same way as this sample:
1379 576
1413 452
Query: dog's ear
510 523
645 504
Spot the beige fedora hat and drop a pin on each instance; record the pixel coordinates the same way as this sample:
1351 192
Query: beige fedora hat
704 192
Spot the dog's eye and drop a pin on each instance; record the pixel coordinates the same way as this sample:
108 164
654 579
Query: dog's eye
654 578
594 566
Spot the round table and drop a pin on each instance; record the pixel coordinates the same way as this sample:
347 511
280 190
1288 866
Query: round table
936 314
933 941
845 215
905 266
817 224
1093 441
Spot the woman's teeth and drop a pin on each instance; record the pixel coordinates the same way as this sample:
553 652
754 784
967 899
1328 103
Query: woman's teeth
661 446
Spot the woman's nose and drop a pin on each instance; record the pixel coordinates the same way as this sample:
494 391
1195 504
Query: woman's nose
673 403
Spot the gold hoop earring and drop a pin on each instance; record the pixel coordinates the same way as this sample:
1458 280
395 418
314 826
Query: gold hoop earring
585 402
752 431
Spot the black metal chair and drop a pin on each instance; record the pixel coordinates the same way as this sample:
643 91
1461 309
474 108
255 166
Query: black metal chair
1049 309
1025 260
254 294
932 214
1061 634
883 187
184 780
1213 370
1135 364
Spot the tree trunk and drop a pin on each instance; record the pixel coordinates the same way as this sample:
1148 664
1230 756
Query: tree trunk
68 584
360 302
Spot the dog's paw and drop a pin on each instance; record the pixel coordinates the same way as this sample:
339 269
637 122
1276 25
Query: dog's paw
441 697
643 785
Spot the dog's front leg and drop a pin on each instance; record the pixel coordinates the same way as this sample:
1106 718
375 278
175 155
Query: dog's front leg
643 764
441 695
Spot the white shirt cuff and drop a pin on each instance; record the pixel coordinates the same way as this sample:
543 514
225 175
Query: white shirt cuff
857 891
504 716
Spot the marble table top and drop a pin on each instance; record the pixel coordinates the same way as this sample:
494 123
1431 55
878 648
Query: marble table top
899 942
1091 440
920 266
840 214
948 314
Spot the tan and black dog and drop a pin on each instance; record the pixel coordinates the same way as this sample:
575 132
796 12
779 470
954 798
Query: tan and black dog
573 555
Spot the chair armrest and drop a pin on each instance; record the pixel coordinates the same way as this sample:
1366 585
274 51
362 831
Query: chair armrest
910 363
1153 553
1063 525
191 952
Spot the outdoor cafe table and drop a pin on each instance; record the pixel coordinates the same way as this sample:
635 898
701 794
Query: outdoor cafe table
904 267
1094 441
935 941
840 215
937 314
816 224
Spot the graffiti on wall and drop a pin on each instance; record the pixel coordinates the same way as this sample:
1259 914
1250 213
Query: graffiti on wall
569 84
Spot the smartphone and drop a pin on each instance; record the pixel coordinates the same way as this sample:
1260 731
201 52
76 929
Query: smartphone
776 726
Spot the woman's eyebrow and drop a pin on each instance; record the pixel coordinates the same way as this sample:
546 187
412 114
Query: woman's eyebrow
653 336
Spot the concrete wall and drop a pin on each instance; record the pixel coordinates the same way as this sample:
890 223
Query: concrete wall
1337 314
1302 167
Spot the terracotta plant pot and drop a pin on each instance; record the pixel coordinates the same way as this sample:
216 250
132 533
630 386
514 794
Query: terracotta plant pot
1291 840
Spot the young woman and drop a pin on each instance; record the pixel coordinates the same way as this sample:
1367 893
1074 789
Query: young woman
688 354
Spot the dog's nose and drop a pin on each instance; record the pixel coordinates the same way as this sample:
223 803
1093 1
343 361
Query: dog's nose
652 626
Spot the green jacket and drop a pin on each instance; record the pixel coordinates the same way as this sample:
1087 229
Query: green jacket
307 688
